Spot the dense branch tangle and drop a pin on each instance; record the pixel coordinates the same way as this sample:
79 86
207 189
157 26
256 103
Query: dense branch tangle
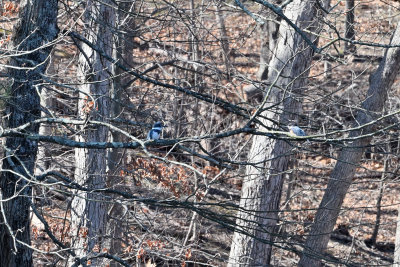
187 64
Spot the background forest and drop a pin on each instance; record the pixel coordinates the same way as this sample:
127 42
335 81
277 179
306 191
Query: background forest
228 183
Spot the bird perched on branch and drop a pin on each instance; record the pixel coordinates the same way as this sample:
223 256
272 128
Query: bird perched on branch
297 131
155 132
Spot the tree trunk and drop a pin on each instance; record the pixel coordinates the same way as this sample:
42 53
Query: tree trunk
89 210
44 153
262 186
269 38
396 258
350 34
43 156
36 28
224 38
342 175
123 52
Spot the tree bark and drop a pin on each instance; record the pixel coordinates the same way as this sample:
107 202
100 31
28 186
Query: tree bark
396 258
380 83
224 38
123 52
350 33
34 32
262 186
89 210
269 37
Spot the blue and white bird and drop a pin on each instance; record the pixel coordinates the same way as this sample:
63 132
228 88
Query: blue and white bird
297 131
155 132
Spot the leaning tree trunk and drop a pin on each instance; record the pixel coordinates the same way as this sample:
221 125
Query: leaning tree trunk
342 175
261 191
89 209
33 34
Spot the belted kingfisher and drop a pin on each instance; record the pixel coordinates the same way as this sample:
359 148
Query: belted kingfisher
155 132
297 131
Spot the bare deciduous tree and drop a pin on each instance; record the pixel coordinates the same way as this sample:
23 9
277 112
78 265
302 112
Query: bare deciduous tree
262 186
89 209
108 196
340 180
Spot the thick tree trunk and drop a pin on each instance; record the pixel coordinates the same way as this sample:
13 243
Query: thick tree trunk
342 175
89 210
262 187
37 27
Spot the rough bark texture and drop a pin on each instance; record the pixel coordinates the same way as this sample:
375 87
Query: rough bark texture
261 191
123 52
89 210
342 175
35 30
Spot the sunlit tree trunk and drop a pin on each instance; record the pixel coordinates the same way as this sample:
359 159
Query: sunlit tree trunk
262 186
269 37
340 180
37 27
43 155
89 210
43 158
